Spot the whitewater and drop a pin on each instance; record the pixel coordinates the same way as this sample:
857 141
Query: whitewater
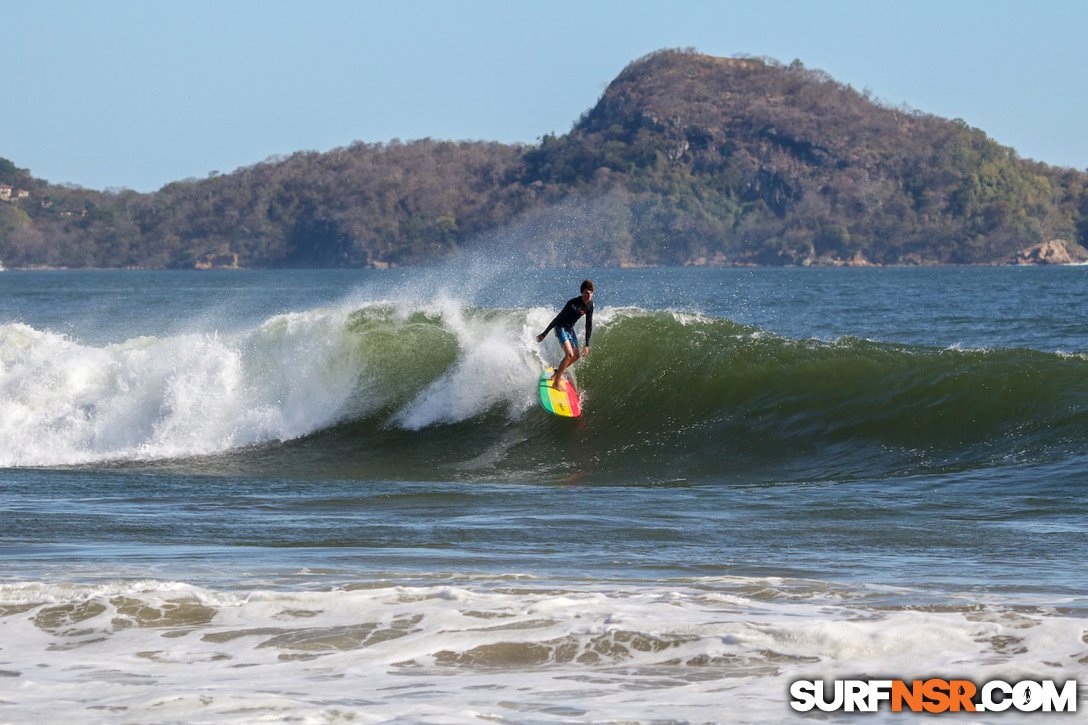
330 496
197 394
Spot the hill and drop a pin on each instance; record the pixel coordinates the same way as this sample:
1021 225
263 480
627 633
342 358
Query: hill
685 159
749 160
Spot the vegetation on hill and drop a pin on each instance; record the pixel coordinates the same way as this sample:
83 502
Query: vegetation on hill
686 159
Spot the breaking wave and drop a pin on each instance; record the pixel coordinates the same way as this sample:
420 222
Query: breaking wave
438 388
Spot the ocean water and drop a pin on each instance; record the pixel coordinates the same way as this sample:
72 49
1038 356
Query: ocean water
330 496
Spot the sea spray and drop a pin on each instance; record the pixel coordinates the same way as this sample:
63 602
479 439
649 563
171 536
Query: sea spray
64 403
495 365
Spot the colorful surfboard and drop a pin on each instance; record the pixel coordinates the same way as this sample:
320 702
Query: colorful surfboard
563 402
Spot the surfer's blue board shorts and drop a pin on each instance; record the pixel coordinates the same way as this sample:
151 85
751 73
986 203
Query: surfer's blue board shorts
566 334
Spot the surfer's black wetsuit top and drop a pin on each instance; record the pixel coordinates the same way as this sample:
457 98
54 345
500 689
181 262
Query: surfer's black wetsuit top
571 312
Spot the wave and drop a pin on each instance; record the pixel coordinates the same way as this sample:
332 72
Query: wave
441 390
434 652
446 652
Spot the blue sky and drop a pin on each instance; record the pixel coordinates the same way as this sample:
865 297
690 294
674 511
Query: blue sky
139 93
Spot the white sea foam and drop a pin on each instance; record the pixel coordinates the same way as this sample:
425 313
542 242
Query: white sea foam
497 363
62 402
470 651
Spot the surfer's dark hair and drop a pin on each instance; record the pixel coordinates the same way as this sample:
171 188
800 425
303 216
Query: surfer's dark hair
587 285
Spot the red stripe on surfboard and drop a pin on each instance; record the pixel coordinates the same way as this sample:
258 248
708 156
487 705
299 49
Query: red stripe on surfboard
572 399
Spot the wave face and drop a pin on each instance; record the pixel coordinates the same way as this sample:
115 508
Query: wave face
440 390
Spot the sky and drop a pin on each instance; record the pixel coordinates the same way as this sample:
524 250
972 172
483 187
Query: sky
136 94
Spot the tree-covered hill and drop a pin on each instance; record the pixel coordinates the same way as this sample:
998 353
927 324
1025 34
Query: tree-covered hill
686 159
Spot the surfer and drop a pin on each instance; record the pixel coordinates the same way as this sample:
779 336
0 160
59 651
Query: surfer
564 329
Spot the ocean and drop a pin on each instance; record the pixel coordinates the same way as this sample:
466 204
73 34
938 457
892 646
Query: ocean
318 496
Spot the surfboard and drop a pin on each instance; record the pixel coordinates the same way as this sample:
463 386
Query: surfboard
563 402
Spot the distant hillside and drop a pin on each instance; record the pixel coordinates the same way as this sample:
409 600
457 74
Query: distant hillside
748 160
686 159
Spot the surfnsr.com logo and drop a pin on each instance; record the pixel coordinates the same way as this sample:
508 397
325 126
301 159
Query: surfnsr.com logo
933 695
